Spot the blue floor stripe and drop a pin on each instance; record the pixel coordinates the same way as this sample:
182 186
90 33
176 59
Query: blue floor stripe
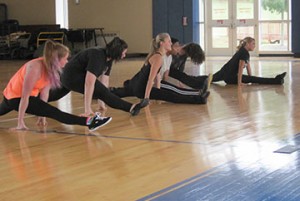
239 181
183 183
228 183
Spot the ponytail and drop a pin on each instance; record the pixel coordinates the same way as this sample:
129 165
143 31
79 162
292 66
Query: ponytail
53 52
244 42
155 44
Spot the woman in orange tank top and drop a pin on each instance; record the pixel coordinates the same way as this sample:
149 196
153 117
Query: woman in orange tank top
37 77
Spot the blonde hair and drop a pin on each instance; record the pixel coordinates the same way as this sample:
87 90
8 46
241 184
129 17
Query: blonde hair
244 42
155 44
53 52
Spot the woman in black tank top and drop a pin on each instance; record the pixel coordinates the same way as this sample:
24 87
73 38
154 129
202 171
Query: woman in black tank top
145 84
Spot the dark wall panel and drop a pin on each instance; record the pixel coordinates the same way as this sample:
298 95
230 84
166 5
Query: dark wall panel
160 16
295 28
168 17
175 14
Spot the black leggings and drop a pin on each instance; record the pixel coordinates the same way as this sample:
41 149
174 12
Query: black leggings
222 75
40 108
171 87
157 94
195 82
100 92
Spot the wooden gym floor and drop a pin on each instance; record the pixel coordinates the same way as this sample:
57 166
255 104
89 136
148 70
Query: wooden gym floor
224 150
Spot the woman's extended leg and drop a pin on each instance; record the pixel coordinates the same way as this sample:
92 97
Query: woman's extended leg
168 86
166 95
100 92
122 91
46 110
112 100
279 79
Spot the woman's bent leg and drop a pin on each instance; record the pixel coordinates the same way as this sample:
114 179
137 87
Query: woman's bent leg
58 93
218 76
195 82
4 107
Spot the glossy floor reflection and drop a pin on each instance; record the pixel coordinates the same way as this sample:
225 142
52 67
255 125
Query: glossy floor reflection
273 177
224 150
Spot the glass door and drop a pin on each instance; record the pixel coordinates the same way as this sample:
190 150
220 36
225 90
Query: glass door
275 26
229 22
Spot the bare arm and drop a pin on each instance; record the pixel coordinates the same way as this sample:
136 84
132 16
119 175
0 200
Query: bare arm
249 69
240 72
104 79
44 95
166 75
33 73
157 81
156 62
89 86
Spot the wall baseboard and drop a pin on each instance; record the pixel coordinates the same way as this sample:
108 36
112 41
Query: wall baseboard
277 55
297 55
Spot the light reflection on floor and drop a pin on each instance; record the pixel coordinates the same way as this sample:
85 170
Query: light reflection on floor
253 176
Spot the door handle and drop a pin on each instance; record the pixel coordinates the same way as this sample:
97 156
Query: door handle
184 21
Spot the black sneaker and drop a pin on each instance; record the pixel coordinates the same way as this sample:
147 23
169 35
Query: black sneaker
144 102
97 121
136 109
205 86
280 78
204 97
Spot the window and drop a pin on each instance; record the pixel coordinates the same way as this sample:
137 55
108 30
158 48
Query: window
61 9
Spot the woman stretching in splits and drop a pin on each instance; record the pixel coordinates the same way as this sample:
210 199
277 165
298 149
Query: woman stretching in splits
37 77
141 85
232 71
174 64
88 73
